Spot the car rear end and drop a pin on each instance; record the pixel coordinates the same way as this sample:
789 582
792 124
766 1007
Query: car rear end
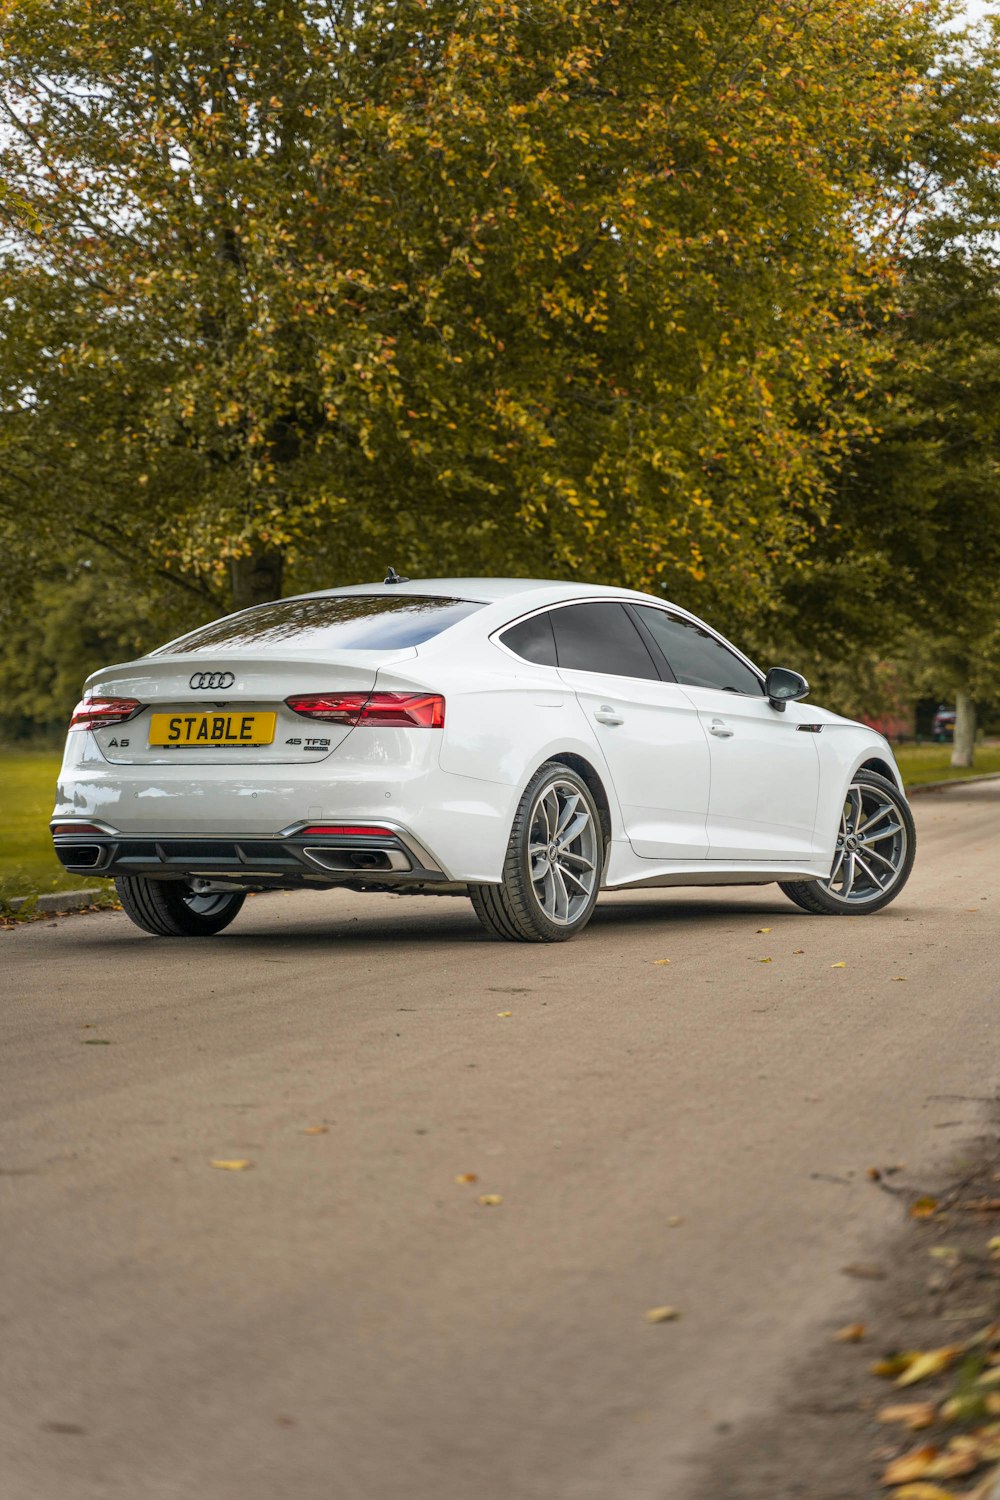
262 750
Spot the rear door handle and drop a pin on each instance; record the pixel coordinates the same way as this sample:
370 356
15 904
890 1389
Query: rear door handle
607 715
719 729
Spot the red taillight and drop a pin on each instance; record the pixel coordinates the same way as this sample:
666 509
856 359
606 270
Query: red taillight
348 831
91 713
394 710
76 828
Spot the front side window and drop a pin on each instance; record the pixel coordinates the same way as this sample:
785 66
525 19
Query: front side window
697 658
600 637
352 622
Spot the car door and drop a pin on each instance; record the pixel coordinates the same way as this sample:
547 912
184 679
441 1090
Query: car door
765 770
647 728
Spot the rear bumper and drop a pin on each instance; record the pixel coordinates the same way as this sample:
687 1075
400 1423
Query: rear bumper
289 858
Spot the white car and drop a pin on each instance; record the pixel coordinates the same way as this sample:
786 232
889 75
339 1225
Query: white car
523 742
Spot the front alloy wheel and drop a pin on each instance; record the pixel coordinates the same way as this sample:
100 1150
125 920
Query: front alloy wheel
876 844
552 872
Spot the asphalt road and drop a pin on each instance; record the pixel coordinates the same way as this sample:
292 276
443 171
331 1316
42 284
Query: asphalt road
346 1321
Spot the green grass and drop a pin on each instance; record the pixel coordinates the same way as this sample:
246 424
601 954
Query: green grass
28 865
921 763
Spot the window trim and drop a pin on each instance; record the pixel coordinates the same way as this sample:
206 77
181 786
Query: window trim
543 609
631 608
682 614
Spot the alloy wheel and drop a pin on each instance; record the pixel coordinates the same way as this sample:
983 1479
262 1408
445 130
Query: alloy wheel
563 851
872 847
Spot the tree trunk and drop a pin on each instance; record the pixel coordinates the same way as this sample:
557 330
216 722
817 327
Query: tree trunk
256 578
964 747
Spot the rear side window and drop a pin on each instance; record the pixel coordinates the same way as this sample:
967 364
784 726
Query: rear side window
696 657
600 637
533 640
353 622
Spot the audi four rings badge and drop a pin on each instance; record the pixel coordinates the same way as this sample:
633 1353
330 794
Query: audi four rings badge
212 680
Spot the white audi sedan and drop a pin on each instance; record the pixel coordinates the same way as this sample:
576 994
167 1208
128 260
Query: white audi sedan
522 742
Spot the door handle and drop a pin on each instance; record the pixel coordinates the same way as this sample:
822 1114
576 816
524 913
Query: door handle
718 728
607 715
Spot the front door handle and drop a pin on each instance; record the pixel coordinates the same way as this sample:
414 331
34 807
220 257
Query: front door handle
607 715
720 731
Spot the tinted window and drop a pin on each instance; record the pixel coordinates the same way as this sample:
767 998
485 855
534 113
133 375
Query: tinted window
600 638
533 639
697 658
355 622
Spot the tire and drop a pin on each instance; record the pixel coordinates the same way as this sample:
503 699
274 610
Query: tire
550 880
170 908
860 883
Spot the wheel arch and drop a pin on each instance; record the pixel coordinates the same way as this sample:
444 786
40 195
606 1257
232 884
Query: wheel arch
881 767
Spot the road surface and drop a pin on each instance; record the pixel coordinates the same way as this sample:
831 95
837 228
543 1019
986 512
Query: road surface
344 1319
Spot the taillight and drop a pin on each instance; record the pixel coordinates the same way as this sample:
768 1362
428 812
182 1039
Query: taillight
91 713
76 828
394 710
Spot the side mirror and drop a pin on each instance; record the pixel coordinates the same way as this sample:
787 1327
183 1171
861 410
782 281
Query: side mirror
784 686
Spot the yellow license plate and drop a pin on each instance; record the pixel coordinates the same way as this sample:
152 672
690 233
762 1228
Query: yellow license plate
205 730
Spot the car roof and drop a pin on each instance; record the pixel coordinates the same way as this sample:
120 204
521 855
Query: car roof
488 590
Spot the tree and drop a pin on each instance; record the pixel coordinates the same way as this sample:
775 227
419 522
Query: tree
574 287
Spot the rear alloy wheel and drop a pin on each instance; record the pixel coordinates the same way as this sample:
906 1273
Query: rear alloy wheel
171 908
876 844
552 872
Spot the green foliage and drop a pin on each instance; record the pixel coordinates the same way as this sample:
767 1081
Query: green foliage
585 287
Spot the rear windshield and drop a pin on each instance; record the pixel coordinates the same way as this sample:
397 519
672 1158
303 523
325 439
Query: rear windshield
357 622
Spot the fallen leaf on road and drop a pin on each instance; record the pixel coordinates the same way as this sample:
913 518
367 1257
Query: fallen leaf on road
95 1041
993 1246
922 1491
898 978
853 1333
502 1013
864 1272
841 965
468 1177
763 929
923 1208
930 1363
894 1364
913 1414
675 1221
763 960
798 950
661 960
912 1465
972 908
490 1200
662 1315
944 1252
238 1165
315 1129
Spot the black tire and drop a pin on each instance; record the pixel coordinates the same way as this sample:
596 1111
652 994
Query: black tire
515 910
170 908
898 850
